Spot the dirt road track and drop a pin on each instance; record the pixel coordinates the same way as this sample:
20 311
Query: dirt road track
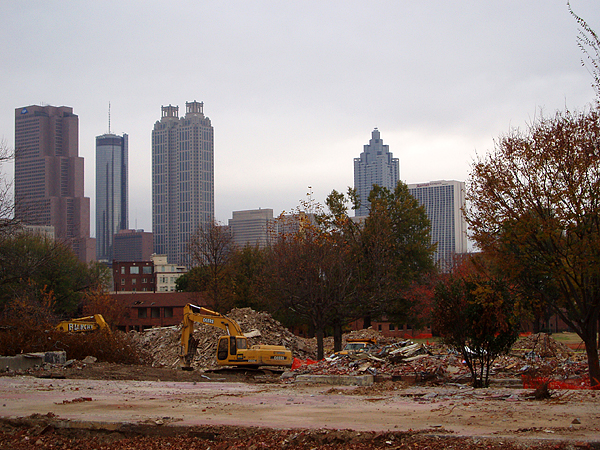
452 410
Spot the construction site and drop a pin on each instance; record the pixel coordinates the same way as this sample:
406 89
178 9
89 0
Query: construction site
392 393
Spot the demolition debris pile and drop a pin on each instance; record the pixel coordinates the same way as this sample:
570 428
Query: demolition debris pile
164 344
532 357
537 355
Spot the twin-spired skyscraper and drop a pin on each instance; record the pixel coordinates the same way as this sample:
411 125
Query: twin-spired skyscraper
182 179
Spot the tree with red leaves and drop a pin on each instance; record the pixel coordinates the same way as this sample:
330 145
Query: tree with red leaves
534 209
476 316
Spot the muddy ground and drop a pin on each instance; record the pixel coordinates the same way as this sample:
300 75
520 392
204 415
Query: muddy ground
112 406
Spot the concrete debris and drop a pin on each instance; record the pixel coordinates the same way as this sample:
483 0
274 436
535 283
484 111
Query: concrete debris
403 360
537 355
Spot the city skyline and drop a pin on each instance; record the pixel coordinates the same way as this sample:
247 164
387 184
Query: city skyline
293 89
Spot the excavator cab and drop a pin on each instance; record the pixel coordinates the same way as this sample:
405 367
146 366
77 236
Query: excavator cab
229 345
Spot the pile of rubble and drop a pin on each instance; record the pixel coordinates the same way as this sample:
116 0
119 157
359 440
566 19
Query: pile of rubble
400 359
541 345
164 344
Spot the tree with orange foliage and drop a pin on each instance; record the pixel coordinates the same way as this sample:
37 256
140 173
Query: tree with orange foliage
534 209
98 301
476 316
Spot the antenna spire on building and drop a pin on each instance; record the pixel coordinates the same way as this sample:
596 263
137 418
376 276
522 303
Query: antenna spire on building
108 117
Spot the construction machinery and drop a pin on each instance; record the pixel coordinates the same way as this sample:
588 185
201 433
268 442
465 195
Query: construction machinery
358 345
232 349
83 324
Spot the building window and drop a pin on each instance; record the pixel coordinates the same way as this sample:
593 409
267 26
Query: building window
123 270
142 313
144 280
134 270
168 311
147 269
379 327
122 281
392 328
155 313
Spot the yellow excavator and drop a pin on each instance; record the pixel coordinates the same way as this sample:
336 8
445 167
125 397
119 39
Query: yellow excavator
232 349
83 324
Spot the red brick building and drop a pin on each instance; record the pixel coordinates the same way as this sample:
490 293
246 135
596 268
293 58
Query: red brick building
389 329
133 276
160 309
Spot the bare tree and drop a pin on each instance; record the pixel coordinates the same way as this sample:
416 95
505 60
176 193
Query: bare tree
589 44
211 247
8 223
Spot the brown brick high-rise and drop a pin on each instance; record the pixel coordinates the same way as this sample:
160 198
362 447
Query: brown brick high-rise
49 175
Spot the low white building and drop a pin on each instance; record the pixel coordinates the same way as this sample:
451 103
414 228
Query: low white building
166 274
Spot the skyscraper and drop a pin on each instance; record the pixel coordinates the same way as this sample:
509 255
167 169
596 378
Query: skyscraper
252 227
443 201
376 165
182 179
112 189
49 187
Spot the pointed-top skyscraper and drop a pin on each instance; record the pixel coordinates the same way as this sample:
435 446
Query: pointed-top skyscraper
376 165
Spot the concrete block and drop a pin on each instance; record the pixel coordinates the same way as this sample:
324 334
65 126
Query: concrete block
21 362
340 380
30 360
55 357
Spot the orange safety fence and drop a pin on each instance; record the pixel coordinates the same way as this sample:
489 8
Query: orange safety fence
297 363
531 382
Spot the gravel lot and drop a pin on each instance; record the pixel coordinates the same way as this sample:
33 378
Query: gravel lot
124 407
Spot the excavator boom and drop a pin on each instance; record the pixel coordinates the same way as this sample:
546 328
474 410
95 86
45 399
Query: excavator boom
82 324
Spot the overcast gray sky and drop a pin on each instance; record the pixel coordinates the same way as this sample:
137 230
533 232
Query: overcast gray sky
294 89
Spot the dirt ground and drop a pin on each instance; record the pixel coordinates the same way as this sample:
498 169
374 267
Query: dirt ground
112 406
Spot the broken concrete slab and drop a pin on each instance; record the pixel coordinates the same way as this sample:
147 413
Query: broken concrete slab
30 360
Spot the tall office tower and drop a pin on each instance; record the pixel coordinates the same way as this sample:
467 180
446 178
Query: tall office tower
112 190
252 227
49 176
376 165
182 179
443 201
